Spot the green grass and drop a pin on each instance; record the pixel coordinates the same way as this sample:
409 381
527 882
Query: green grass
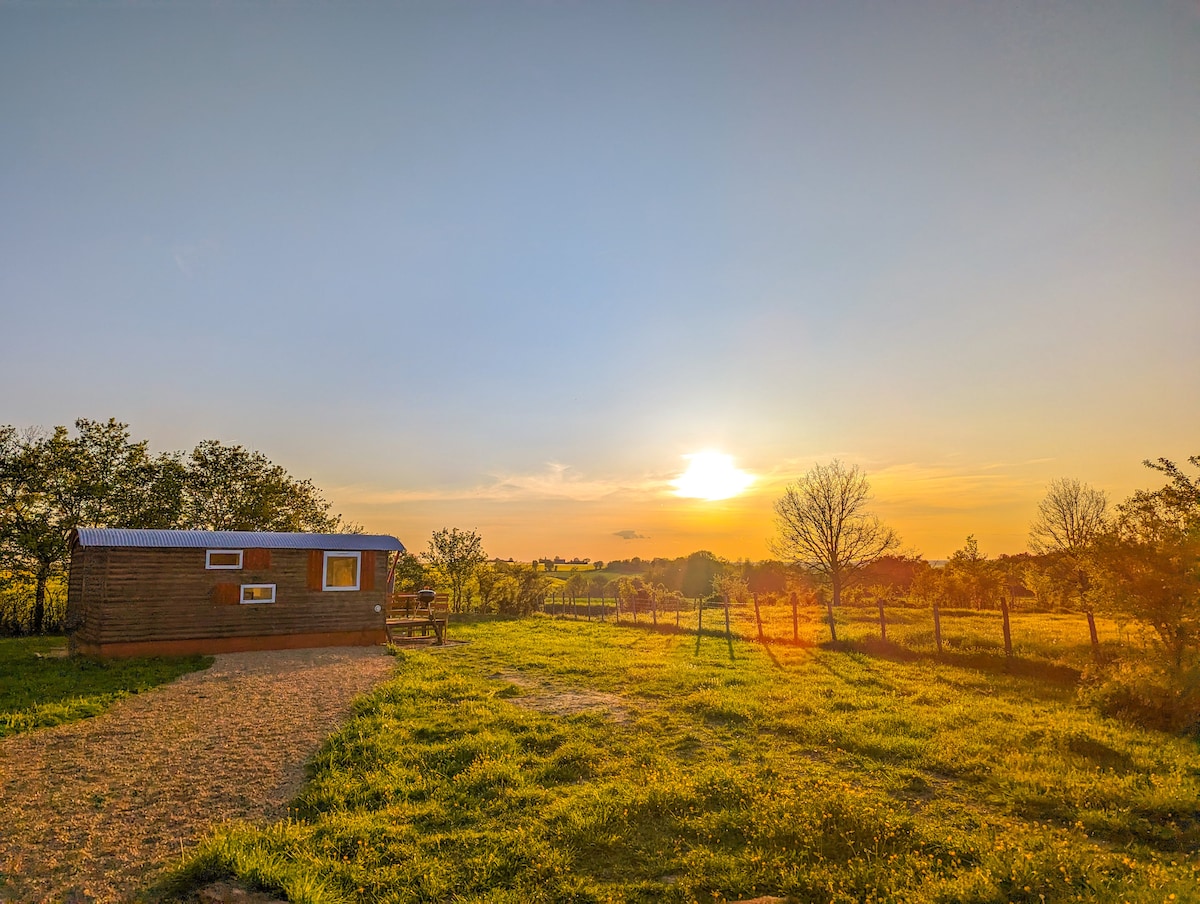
713 769
39 689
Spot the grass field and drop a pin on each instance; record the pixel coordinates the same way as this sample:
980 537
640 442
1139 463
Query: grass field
39 688
559 761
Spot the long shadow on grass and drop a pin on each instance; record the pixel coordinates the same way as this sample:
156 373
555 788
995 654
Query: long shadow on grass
1048 675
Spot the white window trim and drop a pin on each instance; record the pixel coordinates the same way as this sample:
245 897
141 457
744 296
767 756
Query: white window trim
211 567
246 602
325 570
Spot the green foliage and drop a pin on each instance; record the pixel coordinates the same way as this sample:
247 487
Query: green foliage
455 556
228 487
39 687
410 575
550 761
1149 569
52 482
18 594
514 588
1147 693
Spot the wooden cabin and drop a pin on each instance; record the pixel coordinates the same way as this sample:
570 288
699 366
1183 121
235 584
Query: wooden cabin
167 592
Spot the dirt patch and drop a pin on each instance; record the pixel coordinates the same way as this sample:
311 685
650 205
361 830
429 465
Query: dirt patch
95 810
547 698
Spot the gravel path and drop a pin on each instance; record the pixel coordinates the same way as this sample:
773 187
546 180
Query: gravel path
94 810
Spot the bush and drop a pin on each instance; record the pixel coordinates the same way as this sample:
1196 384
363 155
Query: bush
16 606
1146 693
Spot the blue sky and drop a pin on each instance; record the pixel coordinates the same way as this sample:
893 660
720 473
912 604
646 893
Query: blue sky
500 265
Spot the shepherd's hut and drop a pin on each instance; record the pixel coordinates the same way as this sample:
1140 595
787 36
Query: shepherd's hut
156 592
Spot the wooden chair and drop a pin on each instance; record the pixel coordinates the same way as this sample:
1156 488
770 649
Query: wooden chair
412 616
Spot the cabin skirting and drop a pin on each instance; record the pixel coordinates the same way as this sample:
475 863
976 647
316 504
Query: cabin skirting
208 645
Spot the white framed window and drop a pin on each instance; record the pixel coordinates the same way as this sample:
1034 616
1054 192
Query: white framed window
341 571
223 558
258 593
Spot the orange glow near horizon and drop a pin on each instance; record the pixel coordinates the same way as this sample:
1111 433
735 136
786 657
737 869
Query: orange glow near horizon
711 476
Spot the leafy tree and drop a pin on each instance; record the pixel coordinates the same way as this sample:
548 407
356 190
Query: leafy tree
576 586
233 488
699 570
456 554
1069 521
409 573
52 483
511 588
970 578
823 526
1150 561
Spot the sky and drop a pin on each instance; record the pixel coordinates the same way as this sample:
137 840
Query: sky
501 266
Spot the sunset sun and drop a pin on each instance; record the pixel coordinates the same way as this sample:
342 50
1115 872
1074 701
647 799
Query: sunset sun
711 476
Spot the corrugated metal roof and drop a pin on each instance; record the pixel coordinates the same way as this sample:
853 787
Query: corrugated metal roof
232 539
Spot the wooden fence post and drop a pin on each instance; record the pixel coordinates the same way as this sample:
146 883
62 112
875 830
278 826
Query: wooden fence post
882 623
829 608
700 616
795 619
1007 628
937 627
758 618
728 630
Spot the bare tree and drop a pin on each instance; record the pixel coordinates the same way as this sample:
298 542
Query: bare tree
1070 519
823 525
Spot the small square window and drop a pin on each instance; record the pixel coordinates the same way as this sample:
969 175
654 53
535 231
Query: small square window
223 558
258 593
341 570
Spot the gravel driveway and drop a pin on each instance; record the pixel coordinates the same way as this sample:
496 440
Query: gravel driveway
94 810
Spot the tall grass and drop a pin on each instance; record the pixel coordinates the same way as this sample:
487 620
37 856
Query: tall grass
550 760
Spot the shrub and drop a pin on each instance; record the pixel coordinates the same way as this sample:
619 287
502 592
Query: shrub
1147 693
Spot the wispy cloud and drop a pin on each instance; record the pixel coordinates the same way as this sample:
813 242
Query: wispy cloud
556 481
920 486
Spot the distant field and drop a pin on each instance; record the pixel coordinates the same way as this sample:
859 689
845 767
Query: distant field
553 760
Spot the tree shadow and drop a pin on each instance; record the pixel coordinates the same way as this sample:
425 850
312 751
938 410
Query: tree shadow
1059 676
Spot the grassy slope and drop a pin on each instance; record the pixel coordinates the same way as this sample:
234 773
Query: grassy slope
38 689
741 770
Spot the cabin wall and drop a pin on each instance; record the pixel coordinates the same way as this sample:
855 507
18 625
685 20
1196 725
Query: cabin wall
85 588
136 600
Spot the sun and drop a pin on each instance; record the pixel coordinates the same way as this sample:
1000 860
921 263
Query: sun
711 476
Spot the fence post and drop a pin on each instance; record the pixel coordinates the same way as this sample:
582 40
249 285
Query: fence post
937 627
728 630
882 623
795 620
1007 628
758 618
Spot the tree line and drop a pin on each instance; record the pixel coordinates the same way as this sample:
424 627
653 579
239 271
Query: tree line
1138 561
53 481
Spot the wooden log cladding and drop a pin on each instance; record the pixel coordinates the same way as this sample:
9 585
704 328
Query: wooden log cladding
316 569
151 594
256 559
366 571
